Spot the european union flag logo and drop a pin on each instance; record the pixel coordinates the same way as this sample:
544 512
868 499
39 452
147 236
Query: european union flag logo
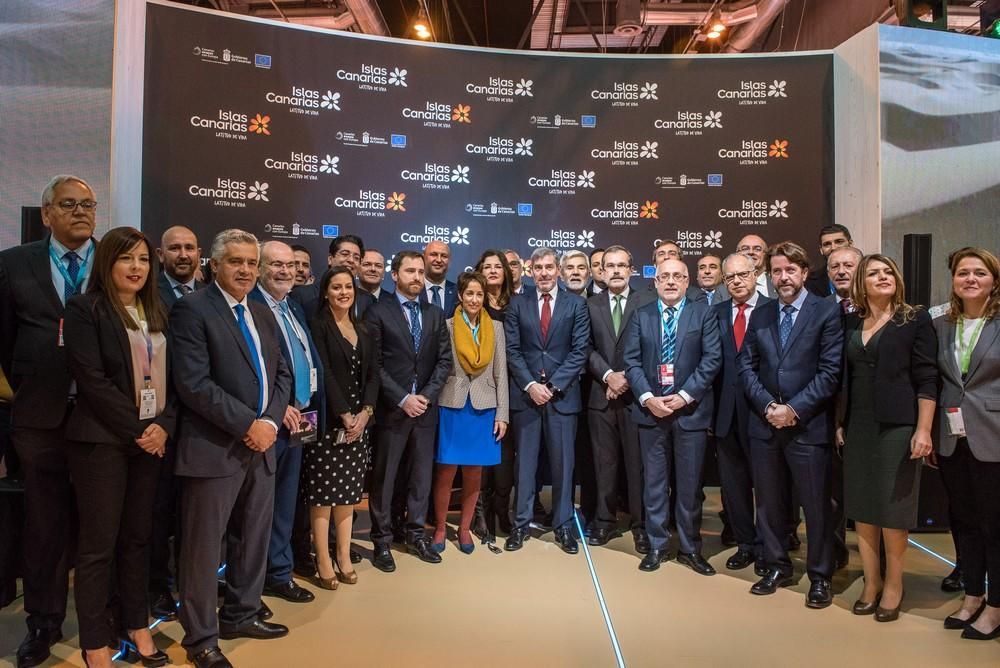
588 121
648 271
524 208
715 179
397 141
331 231
262 60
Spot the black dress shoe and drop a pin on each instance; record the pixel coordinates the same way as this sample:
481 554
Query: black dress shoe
264 613
383 559
600 536
641 541
740 560
566 540
770 583
653 559
421 547
163 606
760 568
255 629
953 623
133 655
515 541
210 658
290 591
34 649
954 581
696 563
821 596
970 633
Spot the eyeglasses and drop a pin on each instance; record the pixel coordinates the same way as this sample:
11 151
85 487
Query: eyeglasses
676 276
747 249
69 205
742 275
346 253
278 266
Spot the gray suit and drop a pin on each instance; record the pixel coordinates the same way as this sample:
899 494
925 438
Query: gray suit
489 388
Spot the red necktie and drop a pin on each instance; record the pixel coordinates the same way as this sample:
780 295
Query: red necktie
740 325
546 314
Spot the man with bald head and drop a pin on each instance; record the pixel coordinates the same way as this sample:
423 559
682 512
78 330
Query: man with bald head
438 290
180 257
755 248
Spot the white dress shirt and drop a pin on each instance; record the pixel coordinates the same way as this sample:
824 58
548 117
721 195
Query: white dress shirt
611 302
751 305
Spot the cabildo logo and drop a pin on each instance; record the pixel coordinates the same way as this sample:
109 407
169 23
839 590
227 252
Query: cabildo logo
692 241
756 212
230 192
374 77
503 149
755 92
624 212
370 203
307 166
229 124
756 152
439 115
627 94
627 153
500 89
563 239
688 123
456 236
307 101
563 182
437 176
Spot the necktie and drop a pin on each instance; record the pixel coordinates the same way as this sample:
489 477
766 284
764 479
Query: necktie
785 327
740 326
616 314
846 306
546 317
414 308
436 297
300 363
669 339
709 295
241 319
71 287
183 289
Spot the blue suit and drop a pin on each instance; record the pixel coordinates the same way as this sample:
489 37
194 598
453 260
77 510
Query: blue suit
805 375
677 441
449 298
562 355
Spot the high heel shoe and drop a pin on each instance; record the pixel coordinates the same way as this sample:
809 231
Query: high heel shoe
862 608
887 615
953 623
347 578
969 633
325 583
154 660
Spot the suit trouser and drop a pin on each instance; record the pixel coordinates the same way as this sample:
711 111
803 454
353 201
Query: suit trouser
584 473
777 464
243 502
286 490
837 517
116 485
530 426
49 524
736 477
615 438
666 449
166 522
399 440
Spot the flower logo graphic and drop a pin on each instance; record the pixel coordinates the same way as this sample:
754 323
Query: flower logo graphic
778 209
329 165
585 179
258 125
585 239
523 147
460 236
713 119
777 89
648 150
460 174
259 191
460 113
330 100
524 88
398 77
779 149
648 210
713 239
648 91
395 202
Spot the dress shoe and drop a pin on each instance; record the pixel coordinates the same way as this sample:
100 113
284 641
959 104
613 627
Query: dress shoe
770 582
290 591
696 563
515 541
641 541
653 559
330 584
953 623
600 536
163 606
383 559
304 568
889 614
439 547
740 560
155 660
954 581
821 596
566 540
345 577
726 537
970 633
255 629
794 542
34 649
421 547
466 548
264 613
760 568
210 658
862 608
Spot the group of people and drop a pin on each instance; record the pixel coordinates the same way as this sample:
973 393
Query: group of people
239 411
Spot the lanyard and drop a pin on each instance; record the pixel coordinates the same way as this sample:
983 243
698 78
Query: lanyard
965 351
80 277
147 362
475 330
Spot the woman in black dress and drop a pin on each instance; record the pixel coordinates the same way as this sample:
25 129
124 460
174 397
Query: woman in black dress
336 465
891 384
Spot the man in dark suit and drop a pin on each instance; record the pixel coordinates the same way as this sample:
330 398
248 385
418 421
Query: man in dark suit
180 256
277 276
548 333
755 248
790 370
234 385
372 273
413 353
36 280
710 288
614 434
732 410
672 353
438 290
345 251
831 238
598 281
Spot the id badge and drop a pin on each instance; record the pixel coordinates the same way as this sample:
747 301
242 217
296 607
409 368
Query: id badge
666 375
60 341
313 381
956 423
147 404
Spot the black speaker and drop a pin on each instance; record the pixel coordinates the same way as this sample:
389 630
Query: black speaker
917 268
32 228
932 510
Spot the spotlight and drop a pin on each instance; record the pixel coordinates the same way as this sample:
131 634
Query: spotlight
713 34
718 26
422 25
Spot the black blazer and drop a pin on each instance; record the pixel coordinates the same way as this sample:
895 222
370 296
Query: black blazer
335 357
905 370
608 350
167 293
100 360
308 296
731 407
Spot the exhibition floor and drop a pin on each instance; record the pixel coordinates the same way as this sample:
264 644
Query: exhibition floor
539 607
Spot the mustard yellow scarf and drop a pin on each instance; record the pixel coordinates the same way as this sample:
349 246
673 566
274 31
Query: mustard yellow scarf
473 355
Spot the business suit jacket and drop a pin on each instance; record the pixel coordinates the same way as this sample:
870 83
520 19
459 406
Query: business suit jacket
167 293
818 281
697 359
563 354
608 349
399 366
805 375
216 383
100 359
977 395
489 388
731 408
697 294
449 298
334 361
308 296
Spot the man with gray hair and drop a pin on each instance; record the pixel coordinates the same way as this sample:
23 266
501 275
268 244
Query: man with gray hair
574 267
841 264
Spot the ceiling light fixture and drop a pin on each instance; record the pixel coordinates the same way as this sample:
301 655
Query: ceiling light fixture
422 25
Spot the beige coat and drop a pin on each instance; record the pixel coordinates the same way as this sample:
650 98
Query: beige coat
488 389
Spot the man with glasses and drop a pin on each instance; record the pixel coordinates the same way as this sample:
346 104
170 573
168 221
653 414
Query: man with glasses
672 354
755 248
517 272
372 273
36 280
345 251
664 249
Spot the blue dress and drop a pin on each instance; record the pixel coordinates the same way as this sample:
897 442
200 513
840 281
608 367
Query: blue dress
465 436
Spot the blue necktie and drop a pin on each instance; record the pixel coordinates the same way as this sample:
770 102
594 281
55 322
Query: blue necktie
248 337
669 339
785 327
71 288
436 299
299 361
414 323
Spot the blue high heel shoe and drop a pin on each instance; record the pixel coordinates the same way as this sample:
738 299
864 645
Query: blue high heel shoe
466 548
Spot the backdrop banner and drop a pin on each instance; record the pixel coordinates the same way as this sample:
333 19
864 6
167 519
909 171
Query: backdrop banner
301 135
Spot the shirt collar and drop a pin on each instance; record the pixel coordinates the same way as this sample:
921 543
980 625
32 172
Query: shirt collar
552 292
624 294
174 282
404 300
232 300
428 284
799 301
61 250
269 298
678 307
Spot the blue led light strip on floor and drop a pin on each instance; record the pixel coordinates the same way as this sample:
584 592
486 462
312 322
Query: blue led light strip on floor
931 552
600 594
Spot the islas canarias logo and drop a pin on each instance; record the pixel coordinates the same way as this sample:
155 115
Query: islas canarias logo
503 149
750 91
627 212
627 152
440 114
437 176
372 203
690 122
756 151
756 212
231 192
374 77
627 93
302 100
564 182
564 239
501 89
228 123
456 236
302 165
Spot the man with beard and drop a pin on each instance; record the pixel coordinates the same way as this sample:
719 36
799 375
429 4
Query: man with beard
303 265
180 257
574 269
438 290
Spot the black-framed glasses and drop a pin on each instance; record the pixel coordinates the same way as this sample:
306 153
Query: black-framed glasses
69 205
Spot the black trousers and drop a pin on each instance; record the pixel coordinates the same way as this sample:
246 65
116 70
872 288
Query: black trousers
615 439
584 472
972 492
166 523
398 440
115 487
49 524
673 459
736 478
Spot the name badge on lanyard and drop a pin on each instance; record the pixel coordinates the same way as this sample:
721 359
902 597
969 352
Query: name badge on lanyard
666 375
147 395
956 423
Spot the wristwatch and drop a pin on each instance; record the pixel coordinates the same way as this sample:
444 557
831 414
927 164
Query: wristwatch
369 410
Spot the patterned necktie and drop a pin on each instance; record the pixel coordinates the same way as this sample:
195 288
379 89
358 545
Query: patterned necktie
709 296
740 325
436 297
546 316
669 342
414 308
72 286
241 319
785 327
616 314
300 363
183 289
846 306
